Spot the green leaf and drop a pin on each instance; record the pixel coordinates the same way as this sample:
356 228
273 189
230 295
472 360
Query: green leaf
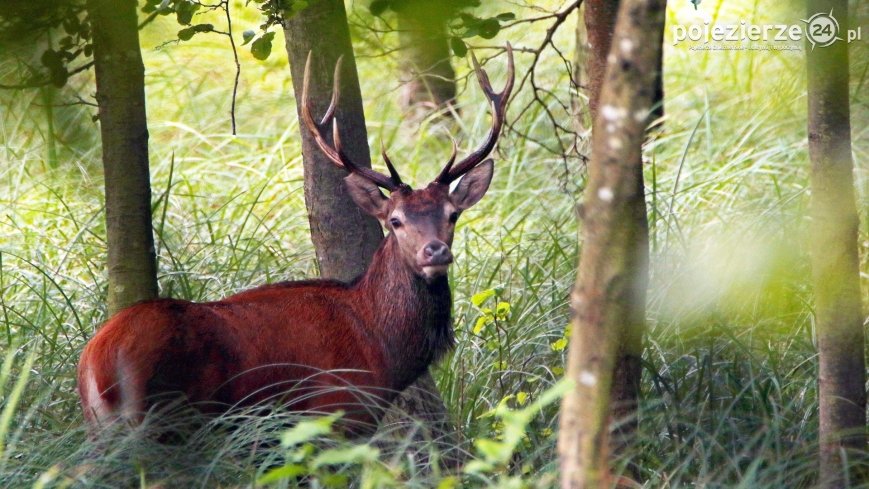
489 28
248 36
521 398
262 47
308 429
502 310
449 482
506 16
340 456
184 10
280 473
51 59
559 345
481 323
480 297
468 19
458 46
478 467
471 31
186 34
71 25
493 451
377 7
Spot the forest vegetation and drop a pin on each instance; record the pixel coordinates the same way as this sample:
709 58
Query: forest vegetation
728 344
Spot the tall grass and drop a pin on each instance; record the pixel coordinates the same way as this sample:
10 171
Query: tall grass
729 390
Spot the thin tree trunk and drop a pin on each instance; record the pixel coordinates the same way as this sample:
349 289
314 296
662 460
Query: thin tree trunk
344 237
594 40
835 269
594 33
608 301
120 78
594 29
428 78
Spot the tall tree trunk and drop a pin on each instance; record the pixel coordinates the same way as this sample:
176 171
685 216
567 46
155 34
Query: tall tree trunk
428 78
658 105
344 237
608 300
120 78
835 269
594 39
594 31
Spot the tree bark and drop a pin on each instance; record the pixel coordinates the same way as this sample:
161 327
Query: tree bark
344 237
428 78
835 269
595 30
608 300
120 79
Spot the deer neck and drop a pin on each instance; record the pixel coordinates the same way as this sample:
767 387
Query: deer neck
411 316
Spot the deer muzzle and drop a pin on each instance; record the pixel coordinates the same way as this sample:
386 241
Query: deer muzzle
434 258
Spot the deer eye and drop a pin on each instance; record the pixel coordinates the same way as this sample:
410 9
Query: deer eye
395 223
454 217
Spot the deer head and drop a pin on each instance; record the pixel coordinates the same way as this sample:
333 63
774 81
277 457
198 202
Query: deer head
421 220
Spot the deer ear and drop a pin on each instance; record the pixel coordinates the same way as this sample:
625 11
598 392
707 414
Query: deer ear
367 195
472 187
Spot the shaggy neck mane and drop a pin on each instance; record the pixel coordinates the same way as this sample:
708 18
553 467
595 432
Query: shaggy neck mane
412 316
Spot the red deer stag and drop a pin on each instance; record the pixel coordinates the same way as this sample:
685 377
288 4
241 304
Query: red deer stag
319 345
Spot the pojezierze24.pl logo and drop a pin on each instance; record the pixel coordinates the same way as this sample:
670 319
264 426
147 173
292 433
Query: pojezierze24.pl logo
820 30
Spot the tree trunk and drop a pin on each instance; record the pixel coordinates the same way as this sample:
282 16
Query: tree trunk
120 78
594 30
428 79
608 300
835 269
344 237
594 39
594 33
658 105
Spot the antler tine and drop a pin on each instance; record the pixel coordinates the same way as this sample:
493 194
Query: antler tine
392 171
334 153
336 89
482 76
376 177
498 101
444 176
308 119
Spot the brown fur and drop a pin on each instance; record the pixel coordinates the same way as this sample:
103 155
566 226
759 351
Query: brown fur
291 340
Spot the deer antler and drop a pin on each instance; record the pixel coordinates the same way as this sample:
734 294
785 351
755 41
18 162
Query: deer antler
334 151
499 110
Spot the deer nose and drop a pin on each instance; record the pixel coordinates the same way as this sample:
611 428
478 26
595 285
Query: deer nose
437 253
